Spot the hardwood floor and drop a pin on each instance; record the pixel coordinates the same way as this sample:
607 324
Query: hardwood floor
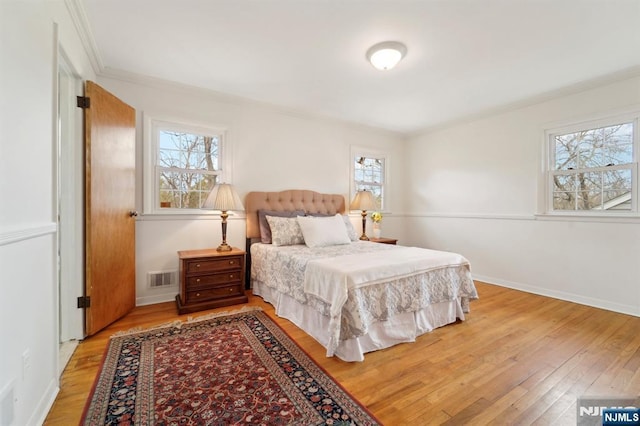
517 359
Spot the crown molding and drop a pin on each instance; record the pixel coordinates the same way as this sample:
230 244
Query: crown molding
572 89
79 17
160 83
81 21
164 84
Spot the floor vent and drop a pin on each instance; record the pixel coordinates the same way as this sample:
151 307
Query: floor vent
163 279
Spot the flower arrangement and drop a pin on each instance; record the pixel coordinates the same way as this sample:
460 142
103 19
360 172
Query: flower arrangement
376 217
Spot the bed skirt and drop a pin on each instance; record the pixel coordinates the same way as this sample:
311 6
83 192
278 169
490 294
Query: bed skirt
401 328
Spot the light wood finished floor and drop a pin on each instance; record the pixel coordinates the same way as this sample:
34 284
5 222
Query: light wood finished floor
517 359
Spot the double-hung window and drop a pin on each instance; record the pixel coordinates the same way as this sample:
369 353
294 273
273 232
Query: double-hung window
184 162
593 168
369 171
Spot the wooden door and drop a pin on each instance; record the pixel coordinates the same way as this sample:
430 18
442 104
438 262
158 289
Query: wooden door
109 203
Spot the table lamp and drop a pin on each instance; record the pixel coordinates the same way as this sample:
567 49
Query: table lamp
363 201
224 198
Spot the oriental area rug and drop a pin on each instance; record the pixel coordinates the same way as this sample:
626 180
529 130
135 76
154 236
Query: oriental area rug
239 368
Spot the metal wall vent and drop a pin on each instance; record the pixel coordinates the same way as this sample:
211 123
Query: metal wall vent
162 279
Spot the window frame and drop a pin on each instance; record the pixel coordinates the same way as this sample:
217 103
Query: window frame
356 151
153 125
549 170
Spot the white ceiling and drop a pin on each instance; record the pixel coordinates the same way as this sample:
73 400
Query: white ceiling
464 56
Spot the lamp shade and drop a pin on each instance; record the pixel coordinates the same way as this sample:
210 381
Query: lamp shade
363 200
223 197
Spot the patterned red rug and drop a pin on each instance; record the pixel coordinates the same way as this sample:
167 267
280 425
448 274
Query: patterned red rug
234 369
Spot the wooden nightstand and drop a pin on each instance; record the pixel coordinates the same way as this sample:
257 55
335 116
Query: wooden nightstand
384 240
210 279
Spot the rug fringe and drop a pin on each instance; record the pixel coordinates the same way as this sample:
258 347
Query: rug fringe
223 314
135 330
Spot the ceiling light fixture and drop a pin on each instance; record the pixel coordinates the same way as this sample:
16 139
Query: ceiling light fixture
386 55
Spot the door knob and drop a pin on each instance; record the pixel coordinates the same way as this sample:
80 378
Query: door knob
133 213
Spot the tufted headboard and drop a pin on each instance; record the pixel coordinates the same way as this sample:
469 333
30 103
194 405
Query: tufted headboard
294 199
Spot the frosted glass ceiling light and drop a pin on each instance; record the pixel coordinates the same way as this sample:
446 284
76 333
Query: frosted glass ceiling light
386 55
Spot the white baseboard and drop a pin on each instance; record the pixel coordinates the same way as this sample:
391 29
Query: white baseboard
46 402
569 297
152 300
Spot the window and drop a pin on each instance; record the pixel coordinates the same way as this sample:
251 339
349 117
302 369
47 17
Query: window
184 163
369 171
593 167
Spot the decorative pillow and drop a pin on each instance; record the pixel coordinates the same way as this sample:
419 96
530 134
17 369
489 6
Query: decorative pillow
265 230
351 231
353 235
285 231
323 231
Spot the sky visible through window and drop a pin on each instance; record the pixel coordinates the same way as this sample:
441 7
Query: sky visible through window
188 166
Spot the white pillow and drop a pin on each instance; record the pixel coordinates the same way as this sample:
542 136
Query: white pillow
351 231
285 231
323 231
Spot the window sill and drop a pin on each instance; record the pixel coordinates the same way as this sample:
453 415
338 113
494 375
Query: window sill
177 215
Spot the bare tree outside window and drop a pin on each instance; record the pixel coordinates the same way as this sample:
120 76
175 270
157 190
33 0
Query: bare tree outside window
593 169
188 168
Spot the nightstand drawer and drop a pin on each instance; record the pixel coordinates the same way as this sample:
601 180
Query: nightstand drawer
213 279
213 265
215 293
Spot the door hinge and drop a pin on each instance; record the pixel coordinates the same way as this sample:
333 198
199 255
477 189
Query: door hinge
83 102
84 302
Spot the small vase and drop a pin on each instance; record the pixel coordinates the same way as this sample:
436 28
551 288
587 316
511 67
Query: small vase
376 230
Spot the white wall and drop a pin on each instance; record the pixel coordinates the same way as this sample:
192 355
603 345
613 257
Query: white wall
29 31
474 189
27 228
471 188
272 150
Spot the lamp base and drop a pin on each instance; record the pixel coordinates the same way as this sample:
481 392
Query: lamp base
364 237
224 247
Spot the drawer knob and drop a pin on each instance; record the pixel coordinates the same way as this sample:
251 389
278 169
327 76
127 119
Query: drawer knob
198 280
231 262
230 276
197 294
197 265
230 290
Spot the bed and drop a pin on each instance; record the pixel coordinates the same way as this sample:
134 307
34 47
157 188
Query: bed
352 296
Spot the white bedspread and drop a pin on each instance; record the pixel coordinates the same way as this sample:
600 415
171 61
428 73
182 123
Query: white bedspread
330 279
369 319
